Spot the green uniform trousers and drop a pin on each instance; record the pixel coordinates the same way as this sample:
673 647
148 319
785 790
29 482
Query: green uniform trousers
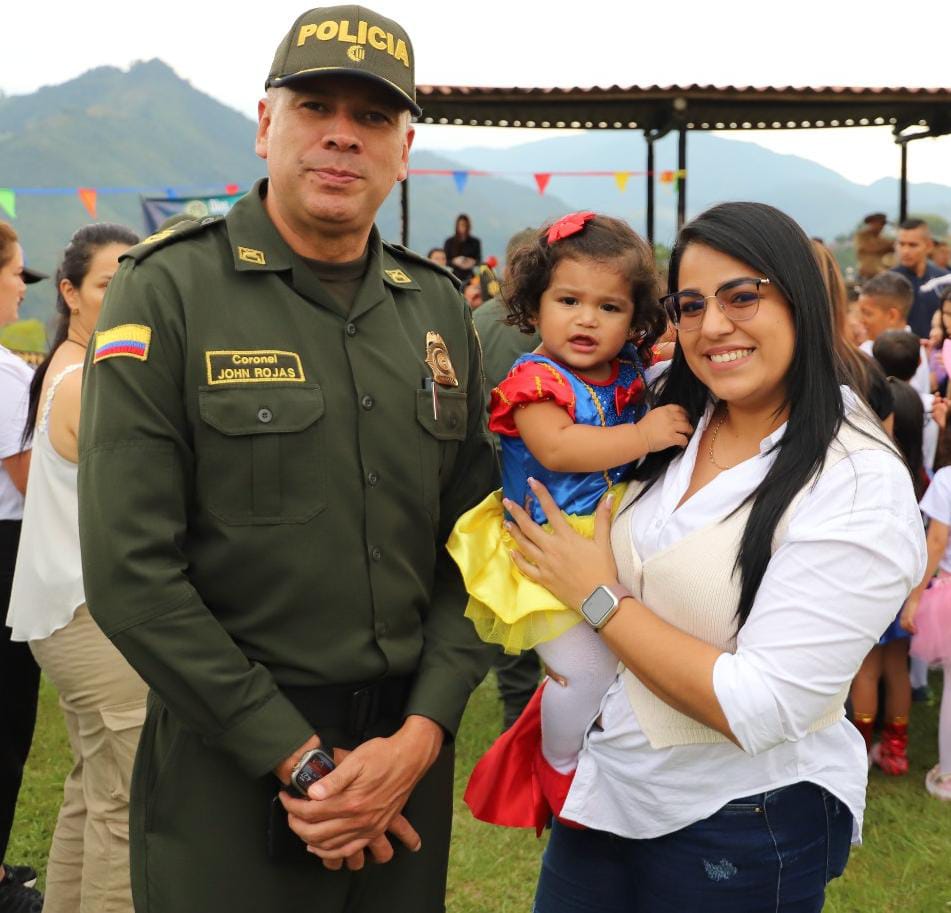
198 829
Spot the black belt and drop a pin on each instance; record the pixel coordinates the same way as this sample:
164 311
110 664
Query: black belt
354 708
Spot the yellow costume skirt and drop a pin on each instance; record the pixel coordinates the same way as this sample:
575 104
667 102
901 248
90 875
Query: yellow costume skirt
506 607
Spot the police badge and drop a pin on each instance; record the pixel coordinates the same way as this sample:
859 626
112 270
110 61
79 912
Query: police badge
437 358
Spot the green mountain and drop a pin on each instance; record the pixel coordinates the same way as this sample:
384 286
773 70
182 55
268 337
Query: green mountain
147 127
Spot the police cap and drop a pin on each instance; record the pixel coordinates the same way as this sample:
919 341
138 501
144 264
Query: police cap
351 40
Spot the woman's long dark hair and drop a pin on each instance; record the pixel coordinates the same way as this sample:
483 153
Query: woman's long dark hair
74 266
775 247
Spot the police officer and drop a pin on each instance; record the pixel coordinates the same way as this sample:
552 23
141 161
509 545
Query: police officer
282 420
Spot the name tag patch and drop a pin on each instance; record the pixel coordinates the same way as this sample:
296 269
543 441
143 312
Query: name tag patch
253 366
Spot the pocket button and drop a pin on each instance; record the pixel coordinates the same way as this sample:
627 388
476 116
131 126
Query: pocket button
265 415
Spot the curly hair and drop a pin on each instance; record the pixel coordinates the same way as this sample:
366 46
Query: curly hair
606 240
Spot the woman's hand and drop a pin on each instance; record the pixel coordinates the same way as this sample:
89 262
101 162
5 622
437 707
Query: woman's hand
560 559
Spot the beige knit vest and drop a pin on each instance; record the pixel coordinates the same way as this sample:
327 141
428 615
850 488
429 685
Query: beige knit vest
692 586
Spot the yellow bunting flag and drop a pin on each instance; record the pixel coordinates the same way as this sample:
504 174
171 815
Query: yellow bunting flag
620 178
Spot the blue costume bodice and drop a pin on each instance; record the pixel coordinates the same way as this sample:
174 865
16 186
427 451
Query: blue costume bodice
594 404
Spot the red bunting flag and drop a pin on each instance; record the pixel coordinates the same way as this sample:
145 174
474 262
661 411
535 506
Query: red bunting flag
231 189
87 196
542 180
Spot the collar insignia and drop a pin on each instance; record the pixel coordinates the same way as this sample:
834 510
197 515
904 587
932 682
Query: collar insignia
250 255
397 275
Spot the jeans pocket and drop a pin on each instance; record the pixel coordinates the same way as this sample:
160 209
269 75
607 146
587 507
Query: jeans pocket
838 835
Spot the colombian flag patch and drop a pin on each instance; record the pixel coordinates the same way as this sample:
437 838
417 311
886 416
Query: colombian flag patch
129 339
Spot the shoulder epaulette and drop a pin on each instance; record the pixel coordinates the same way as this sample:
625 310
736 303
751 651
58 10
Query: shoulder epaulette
404 253
160 239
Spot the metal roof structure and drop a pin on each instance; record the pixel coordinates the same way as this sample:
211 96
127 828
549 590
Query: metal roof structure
912 113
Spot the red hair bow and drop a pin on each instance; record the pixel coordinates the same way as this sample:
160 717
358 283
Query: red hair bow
625 396
568 225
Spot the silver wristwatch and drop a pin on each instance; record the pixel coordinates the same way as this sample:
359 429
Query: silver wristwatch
600 606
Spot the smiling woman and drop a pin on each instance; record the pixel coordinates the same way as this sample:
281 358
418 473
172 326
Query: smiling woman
722 755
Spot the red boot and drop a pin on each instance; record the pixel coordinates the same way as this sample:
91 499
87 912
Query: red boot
891 753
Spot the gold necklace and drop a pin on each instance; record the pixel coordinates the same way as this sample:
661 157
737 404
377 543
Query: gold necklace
713 440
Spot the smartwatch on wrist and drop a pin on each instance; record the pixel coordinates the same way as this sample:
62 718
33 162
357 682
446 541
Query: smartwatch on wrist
600 606
313 766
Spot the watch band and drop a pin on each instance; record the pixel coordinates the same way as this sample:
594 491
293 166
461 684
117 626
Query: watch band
599 608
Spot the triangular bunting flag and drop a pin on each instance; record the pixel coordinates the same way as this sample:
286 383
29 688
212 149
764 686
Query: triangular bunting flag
461 178
8 202
231 189
542 180
620 178
667 177
87 196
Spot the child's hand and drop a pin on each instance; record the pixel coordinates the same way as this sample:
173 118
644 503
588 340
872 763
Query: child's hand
908 612
939 411
666 426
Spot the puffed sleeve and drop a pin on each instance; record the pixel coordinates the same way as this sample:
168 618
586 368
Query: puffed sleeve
528 382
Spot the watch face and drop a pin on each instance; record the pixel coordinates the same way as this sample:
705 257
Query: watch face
597 606
316 765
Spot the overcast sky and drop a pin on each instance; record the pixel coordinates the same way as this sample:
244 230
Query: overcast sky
226 49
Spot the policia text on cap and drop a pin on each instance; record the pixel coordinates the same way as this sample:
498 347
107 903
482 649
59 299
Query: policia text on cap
267 482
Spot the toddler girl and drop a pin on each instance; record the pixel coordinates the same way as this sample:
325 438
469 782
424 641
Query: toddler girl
572 415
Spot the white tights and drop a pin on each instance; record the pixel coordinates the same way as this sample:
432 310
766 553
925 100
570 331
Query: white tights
944 723
581 657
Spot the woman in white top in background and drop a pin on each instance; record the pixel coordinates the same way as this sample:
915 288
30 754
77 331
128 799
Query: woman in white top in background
102 699
19 675
764 561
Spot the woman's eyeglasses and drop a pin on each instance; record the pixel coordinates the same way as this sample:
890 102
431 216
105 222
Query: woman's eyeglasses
738 299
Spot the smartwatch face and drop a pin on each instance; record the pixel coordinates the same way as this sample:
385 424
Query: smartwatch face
597 605
317 764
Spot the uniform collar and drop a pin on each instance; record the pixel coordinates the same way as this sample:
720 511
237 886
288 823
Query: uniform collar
257 246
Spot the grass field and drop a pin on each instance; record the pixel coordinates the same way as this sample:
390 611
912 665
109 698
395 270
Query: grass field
904 865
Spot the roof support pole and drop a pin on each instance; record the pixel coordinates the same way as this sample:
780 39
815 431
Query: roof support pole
903 184
404 212
650 188
682 177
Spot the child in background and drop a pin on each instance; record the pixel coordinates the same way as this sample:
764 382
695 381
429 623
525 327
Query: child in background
884 303
572 415
927 615
889 658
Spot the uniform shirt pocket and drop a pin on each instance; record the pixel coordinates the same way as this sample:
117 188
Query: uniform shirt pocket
440 434
259 458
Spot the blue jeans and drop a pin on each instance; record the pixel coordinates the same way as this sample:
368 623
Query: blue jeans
769 853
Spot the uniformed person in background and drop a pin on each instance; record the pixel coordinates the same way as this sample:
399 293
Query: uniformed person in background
501 345
283 418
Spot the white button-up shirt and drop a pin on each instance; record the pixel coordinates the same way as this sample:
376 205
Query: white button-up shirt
854 549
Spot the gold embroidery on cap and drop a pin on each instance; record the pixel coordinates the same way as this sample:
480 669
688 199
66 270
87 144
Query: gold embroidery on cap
356 53
397 275
437 358
250 255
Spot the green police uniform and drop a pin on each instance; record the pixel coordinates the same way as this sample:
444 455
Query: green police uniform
265 491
